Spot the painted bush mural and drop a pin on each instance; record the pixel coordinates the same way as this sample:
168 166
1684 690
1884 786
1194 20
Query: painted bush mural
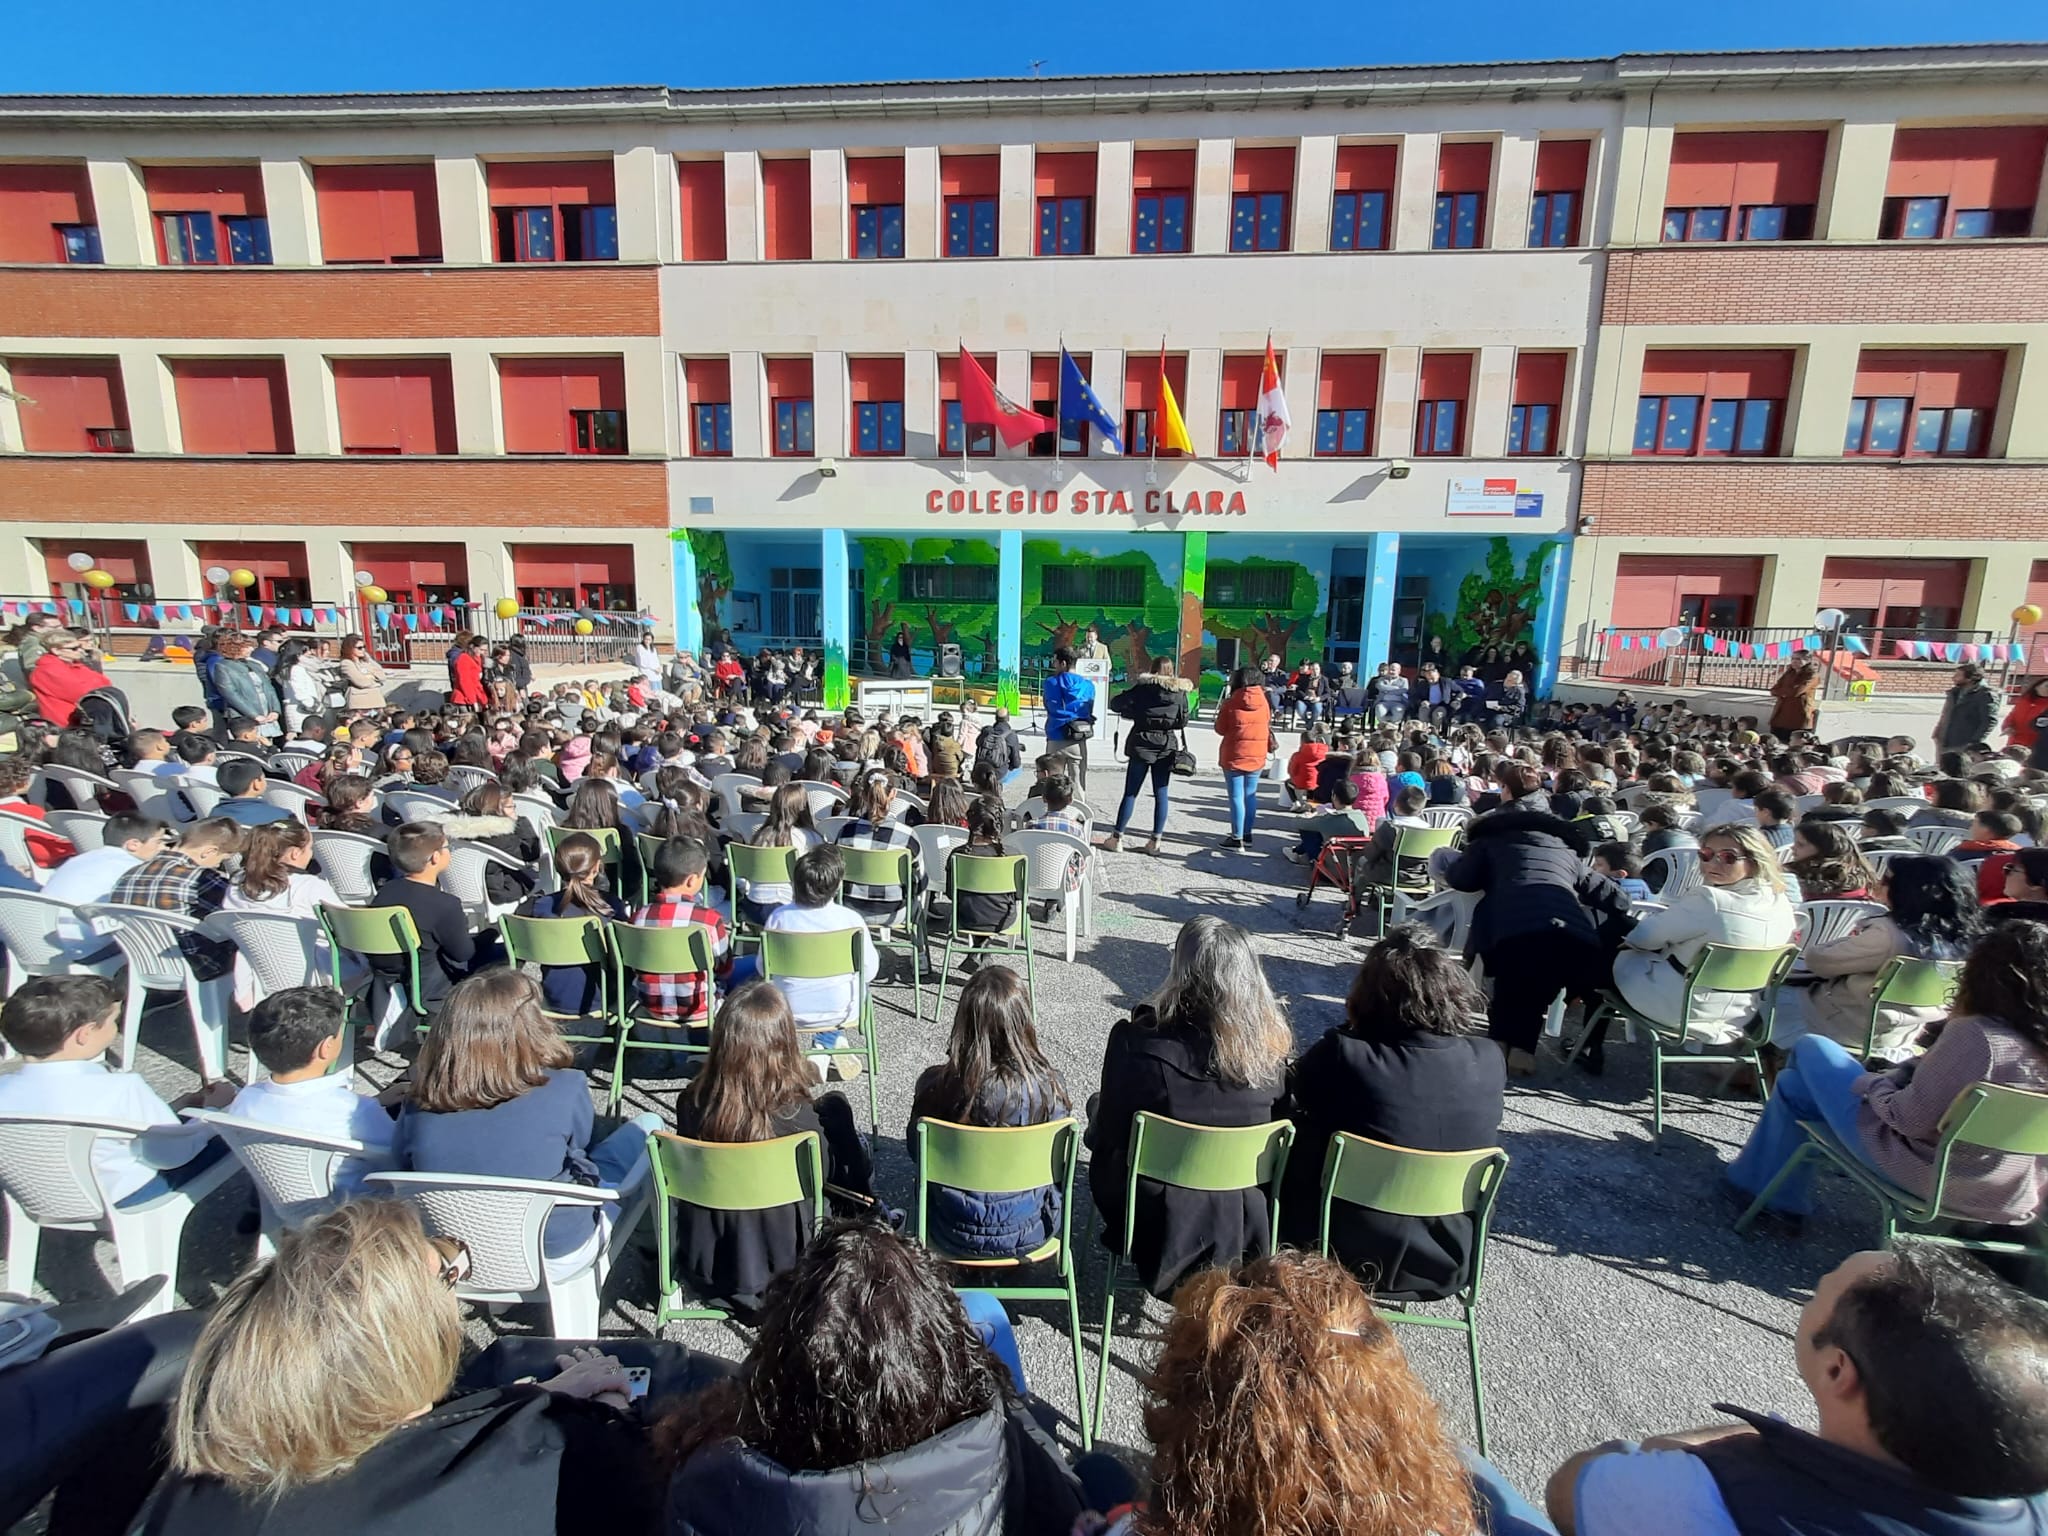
969 625
1269 607
1137 615
1497 602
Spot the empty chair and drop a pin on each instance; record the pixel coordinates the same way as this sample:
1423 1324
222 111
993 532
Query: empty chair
293 1171
346 859
84 788
28 932
48 1182
281 951
462 779
149 941
1059 865
296 798
417 805
86 829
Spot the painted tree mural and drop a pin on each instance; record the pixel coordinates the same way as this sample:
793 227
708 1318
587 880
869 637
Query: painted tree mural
969 625
1136 633
961 623
1291 629
714 576
1496 604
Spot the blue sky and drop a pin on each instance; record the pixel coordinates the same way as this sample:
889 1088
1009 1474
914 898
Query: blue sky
306 45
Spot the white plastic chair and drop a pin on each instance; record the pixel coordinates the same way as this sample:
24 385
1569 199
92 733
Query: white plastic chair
296 798
345 859
501 1221
727 787
28 932
293 1171
149 940
824 799
137 784
1938 841
289 765
1804 803
1896 803
417 805
904 803
1059 864
1446 815
1447 912
462 778
86 829
200 798
14 848
1824 921
282 951
829 827
1627 822
47 1182
467 875
742 825
83 787
934 843
1879 859
1681 871
1707 797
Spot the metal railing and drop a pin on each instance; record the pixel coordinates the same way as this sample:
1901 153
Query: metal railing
1750 658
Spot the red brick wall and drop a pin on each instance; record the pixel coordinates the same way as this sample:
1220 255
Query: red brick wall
479 493
261 303
1728 499
2005 283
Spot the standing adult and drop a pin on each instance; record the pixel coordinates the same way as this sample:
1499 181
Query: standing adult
1092 648
1156 705
466 676
361 675
1967 711
300 682
1538 923
1797 692
1244 726
901 662
2026 725
245 687
63 674
1069 712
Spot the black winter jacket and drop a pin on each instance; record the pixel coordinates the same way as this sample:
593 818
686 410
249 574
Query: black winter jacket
1157 707
1531 868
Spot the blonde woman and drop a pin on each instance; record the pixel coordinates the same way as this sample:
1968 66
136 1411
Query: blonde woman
1741 902
317 1398
1210 1048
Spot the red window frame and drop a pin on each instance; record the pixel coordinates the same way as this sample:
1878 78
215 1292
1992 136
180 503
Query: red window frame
1542 447
584 435
1429 417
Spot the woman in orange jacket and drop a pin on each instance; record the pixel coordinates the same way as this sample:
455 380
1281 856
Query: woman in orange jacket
1244 721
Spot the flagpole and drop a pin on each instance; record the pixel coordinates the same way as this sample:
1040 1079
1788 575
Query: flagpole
1058 387
1159 410
958 371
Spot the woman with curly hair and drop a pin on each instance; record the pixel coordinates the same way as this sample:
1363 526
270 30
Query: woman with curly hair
1282 1405
1828 863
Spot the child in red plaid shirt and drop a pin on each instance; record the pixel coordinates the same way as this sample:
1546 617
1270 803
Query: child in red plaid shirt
679 880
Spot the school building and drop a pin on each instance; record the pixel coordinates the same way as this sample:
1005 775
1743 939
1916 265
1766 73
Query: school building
1571 349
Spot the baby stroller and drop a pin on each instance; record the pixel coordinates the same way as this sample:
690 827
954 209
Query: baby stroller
105 712
1340 864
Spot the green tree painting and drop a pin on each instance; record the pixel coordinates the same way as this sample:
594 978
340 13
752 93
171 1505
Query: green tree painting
1258 616
969 625
714 576
1135 632
1496 604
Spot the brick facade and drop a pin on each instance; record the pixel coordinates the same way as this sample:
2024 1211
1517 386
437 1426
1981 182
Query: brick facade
1771 498
1893 283
415 494
337 303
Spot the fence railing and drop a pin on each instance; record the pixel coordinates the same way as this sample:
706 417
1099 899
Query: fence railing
1751 657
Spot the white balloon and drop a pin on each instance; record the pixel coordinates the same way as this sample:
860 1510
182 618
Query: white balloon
79 562
216 575
1666 638
1829 618
365 579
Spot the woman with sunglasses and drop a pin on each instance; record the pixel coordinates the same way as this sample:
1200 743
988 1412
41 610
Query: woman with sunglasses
1741 901
319 1397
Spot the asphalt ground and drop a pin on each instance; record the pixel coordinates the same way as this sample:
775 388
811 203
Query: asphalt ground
1617 1301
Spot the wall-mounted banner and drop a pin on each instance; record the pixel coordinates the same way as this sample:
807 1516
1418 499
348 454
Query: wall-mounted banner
1494 497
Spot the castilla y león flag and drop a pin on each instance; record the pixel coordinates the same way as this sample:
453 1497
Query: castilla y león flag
1273 418
983 405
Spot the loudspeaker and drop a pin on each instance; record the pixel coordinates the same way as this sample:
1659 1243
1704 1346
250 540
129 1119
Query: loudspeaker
949 660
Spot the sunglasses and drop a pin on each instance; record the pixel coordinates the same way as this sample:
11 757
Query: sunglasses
1725 856
455 1263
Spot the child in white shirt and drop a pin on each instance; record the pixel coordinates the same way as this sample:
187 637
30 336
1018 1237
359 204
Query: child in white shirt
297 1035
824 1005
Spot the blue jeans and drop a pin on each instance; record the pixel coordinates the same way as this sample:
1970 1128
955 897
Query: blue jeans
1507 1512
1818 1083
1243 785
621 1157
992 1322
1134 777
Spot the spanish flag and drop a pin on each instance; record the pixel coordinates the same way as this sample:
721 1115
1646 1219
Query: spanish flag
1171 431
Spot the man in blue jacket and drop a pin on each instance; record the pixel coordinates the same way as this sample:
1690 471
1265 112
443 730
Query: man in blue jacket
1069 701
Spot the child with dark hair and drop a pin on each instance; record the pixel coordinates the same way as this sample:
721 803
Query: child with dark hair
299 1035
824 1006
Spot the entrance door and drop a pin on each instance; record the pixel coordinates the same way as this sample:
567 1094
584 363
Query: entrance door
1346 621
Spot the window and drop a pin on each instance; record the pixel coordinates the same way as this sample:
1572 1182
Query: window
1532 429
1947 430
1553 218
248 240
1097 586
1159 224
701 187
970 226
526 234
1682 224
1256 586
981 438
1963 183
1928 218
1936 404
1137 433
1777 221
1459 221
1667 423
794 429
1258 221
590 234
598 432
1064 225
378 213
81 243
941 583
1877 425
1342 433
878 427
187 239
1358 222
1740 427
878 231
1237 433
1437 427
1045 400
112 440
711 430
795 601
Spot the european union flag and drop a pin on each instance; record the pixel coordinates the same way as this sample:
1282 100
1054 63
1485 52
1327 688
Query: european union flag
1078 402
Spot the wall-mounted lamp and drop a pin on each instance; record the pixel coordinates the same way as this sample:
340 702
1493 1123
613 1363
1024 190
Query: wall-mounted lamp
1586 522
828 469
1398 470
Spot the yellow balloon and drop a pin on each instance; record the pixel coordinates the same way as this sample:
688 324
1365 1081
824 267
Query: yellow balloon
584 626
374 594
2027 613
508 608
242 578
101 580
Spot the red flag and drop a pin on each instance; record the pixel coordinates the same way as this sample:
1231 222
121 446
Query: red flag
983 405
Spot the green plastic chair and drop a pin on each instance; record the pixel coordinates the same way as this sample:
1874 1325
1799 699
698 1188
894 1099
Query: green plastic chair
1906 982
645 846
753 866
893 866
726 1176
566 941
1402 1181
981 874
817 957
376 932
1985 1116
607 843
1205 1157
1000 1160
1717 968
683 951
1412 849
